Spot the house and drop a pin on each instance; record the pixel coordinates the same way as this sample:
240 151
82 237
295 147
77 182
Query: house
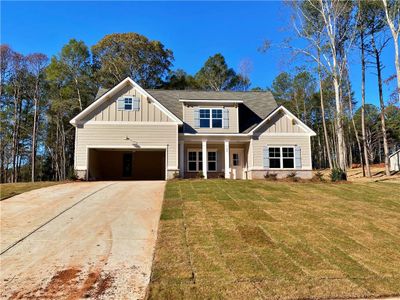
132 133
394 161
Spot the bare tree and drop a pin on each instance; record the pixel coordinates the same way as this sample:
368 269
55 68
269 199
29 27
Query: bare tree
36 65
392 14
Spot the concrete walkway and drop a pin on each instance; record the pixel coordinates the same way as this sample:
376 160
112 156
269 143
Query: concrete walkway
80 240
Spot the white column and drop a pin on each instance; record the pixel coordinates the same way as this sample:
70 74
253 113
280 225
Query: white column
205 157
226 167
181 159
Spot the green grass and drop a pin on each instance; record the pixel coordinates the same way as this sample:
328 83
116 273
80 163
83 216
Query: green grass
8 190
276 240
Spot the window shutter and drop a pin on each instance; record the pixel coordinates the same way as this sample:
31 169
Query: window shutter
226 118
121 103
196 118
297 157
136 103
266 157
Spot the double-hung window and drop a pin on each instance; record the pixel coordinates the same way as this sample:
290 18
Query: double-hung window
195 161
210 118
281 157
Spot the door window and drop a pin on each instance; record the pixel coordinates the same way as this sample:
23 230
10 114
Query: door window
235 159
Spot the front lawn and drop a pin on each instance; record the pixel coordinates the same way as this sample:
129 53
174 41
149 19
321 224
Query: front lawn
8 190
258 239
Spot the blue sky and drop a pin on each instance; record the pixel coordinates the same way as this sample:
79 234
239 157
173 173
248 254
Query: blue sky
192 30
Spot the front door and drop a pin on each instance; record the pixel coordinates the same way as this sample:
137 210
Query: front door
127 165
236 163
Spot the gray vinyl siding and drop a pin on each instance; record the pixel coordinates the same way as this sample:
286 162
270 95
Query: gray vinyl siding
188 118
152 135
147 112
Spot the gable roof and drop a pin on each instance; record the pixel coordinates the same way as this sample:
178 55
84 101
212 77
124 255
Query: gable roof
254 106
104 95
291 116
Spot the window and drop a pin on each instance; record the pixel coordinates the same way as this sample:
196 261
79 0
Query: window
274 157
195 161
288 158
281 157
127 103
212 161
210 118
235 159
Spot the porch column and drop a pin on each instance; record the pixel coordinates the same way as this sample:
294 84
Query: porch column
226 166
181 159
205 157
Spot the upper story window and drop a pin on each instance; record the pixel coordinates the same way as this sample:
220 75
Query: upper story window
210 118
128 103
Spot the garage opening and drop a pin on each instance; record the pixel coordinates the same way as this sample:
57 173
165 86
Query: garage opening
117 164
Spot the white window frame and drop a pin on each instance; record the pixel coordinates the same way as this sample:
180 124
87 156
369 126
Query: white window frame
210 109
198 161
281 157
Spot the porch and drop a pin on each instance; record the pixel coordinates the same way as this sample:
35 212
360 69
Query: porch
225 158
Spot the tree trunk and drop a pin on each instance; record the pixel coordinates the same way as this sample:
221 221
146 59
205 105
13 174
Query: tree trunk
34 132
354 126
366 159
395 35
79 94
321 94
382 104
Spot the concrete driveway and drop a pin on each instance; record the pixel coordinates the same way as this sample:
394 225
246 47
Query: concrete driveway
80 240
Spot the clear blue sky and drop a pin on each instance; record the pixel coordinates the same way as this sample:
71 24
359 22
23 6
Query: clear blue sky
192 30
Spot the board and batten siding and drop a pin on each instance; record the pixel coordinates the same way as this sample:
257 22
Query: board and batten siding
147 112
188 118
108 135
281 131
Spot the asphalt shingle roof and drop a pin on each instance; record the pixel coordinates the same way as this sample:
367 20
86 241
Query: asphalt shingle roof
256 106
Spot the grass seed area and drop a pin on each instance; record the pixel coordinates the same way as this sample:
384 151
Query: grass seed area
277 240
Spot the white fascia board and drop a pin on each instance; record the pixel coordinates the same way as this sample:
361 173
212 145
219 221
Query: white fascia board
115 89
214 134
292 116
209 101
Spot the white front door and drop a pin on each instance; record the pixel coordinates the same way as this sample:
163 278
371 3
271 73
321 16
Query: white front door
236 163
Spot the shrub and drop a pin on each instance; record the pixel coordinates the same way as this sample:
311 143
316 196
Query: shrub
338 174
200 175
292 176
318 176
270 176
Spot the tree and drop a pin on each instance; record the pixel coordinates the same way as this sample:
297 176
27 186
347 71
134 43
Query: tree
73 71
180 80
121 55
215 75
37 63
392 16
71 88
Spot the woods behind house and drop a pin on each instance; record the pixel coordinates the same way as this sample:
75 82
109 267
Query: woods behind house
40 95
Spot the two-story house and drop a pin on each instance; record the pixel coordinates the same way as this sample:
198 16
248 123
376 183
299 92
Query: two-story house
132 133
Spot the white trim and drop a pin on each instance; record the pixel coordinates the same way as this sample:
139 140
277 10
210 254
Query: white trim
211 117
265 169
281 157
215 134
226 159
198 150
126 123
209 101
300 123
112 91
286 134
